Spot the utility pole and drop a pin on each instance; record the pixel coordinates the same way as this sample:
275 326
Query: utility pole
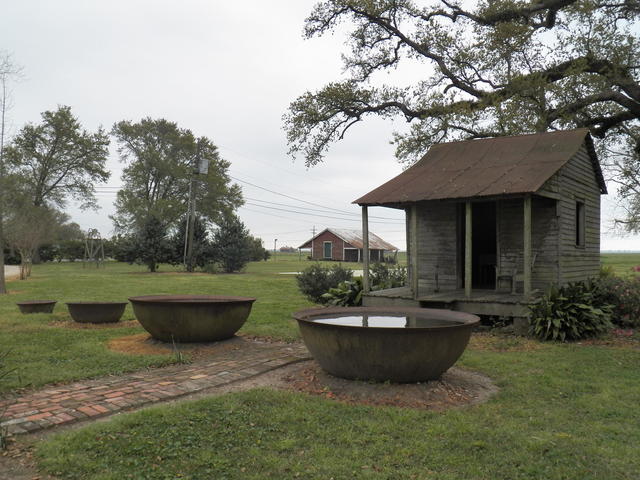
275 243
201 167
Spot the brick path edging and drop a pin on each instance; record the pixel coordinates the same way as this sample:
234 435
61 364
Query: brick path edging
66 404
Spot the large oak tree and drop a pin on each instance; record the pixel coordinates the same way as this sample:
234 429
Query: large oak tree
490 68
160 160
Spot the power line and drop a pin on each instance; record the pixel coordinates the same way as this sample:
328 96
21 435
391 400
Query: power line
394 220
286 196
271 166
325 209
313 215
297 199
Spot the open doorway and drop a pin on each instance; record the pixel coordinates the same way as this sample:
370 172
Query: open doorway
483 245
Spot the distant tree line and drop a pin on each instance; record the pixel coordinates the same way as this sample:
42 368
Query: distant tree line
49 164
228 248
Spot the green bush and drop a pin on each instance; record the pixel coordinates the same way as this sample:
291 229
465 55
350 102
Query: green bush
572 312
231 245
382 277
316 280
346 294
349 293
623 294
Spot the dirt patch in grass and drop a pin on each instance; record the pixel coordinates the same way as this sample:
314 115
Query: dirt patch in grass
495 342
145 344
617 338
92 326
456 388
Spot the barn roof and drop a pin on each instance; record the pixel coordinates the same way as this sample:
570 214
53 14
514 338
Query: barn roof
354 238
486 167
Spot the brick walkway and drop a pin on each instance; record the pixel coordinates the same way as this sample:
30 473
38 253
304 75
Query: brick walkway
62 405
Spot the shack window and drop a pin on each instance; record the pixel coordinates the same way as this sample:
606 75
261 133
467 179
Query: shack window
327 249
580 218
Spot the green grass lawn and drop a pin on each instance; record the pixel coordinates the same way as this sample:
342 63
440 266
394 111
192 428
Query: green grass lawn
563 411
621 262
45 354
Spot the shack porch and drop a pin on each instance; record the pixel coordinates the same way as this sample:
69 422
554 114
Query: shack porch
492 223
480 302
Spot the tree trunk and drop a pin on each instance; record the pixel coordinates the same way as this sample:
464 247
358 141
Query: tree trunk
3 285
3 107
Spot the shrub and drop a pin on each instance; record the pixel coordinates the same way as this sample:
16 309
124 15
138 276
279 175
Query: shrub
200 249
623 294
257 252
211 268
569 313
607 271
316 280
382 277
151 245
346 294
335 285
231 245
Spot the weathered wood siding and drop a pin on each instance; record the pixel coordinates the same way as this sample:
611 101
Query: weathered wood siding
557 257
578 181
437 240
544 239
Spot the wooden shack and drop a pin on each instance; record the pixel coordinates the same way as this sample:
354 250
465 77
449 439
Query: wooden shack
493 222
347 245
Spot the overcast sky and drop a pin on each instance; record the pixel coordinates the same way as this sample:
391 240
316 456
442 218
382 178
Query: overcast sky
225 70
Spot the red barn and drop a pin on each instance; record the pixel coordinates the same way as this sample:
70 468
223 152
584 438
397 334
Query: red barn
346 245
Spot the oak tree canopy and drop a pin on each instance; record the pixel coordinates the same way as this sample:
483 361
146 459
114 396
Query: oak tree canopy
56 160
491 68
159 160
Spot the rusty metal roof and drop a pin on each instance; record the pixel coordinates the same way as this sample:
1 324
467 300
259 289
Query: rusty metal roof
486 167
354 238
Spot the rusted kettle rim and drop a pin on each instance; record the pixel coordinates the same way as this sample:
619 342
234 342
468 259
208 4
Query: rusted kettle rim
96 303
182 299
36 302
457 319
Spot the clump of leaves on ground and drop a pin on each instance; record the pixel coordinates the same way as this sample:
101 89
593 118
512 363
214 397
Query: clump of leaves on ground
571 312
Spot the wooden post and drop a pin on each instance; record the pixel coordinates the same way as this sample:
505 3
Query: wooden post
467 250
527 245
365 250
413 230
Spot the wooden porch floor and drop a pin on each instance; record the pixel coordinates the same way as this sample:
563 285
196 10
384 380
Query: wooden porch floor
480 296
451 296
